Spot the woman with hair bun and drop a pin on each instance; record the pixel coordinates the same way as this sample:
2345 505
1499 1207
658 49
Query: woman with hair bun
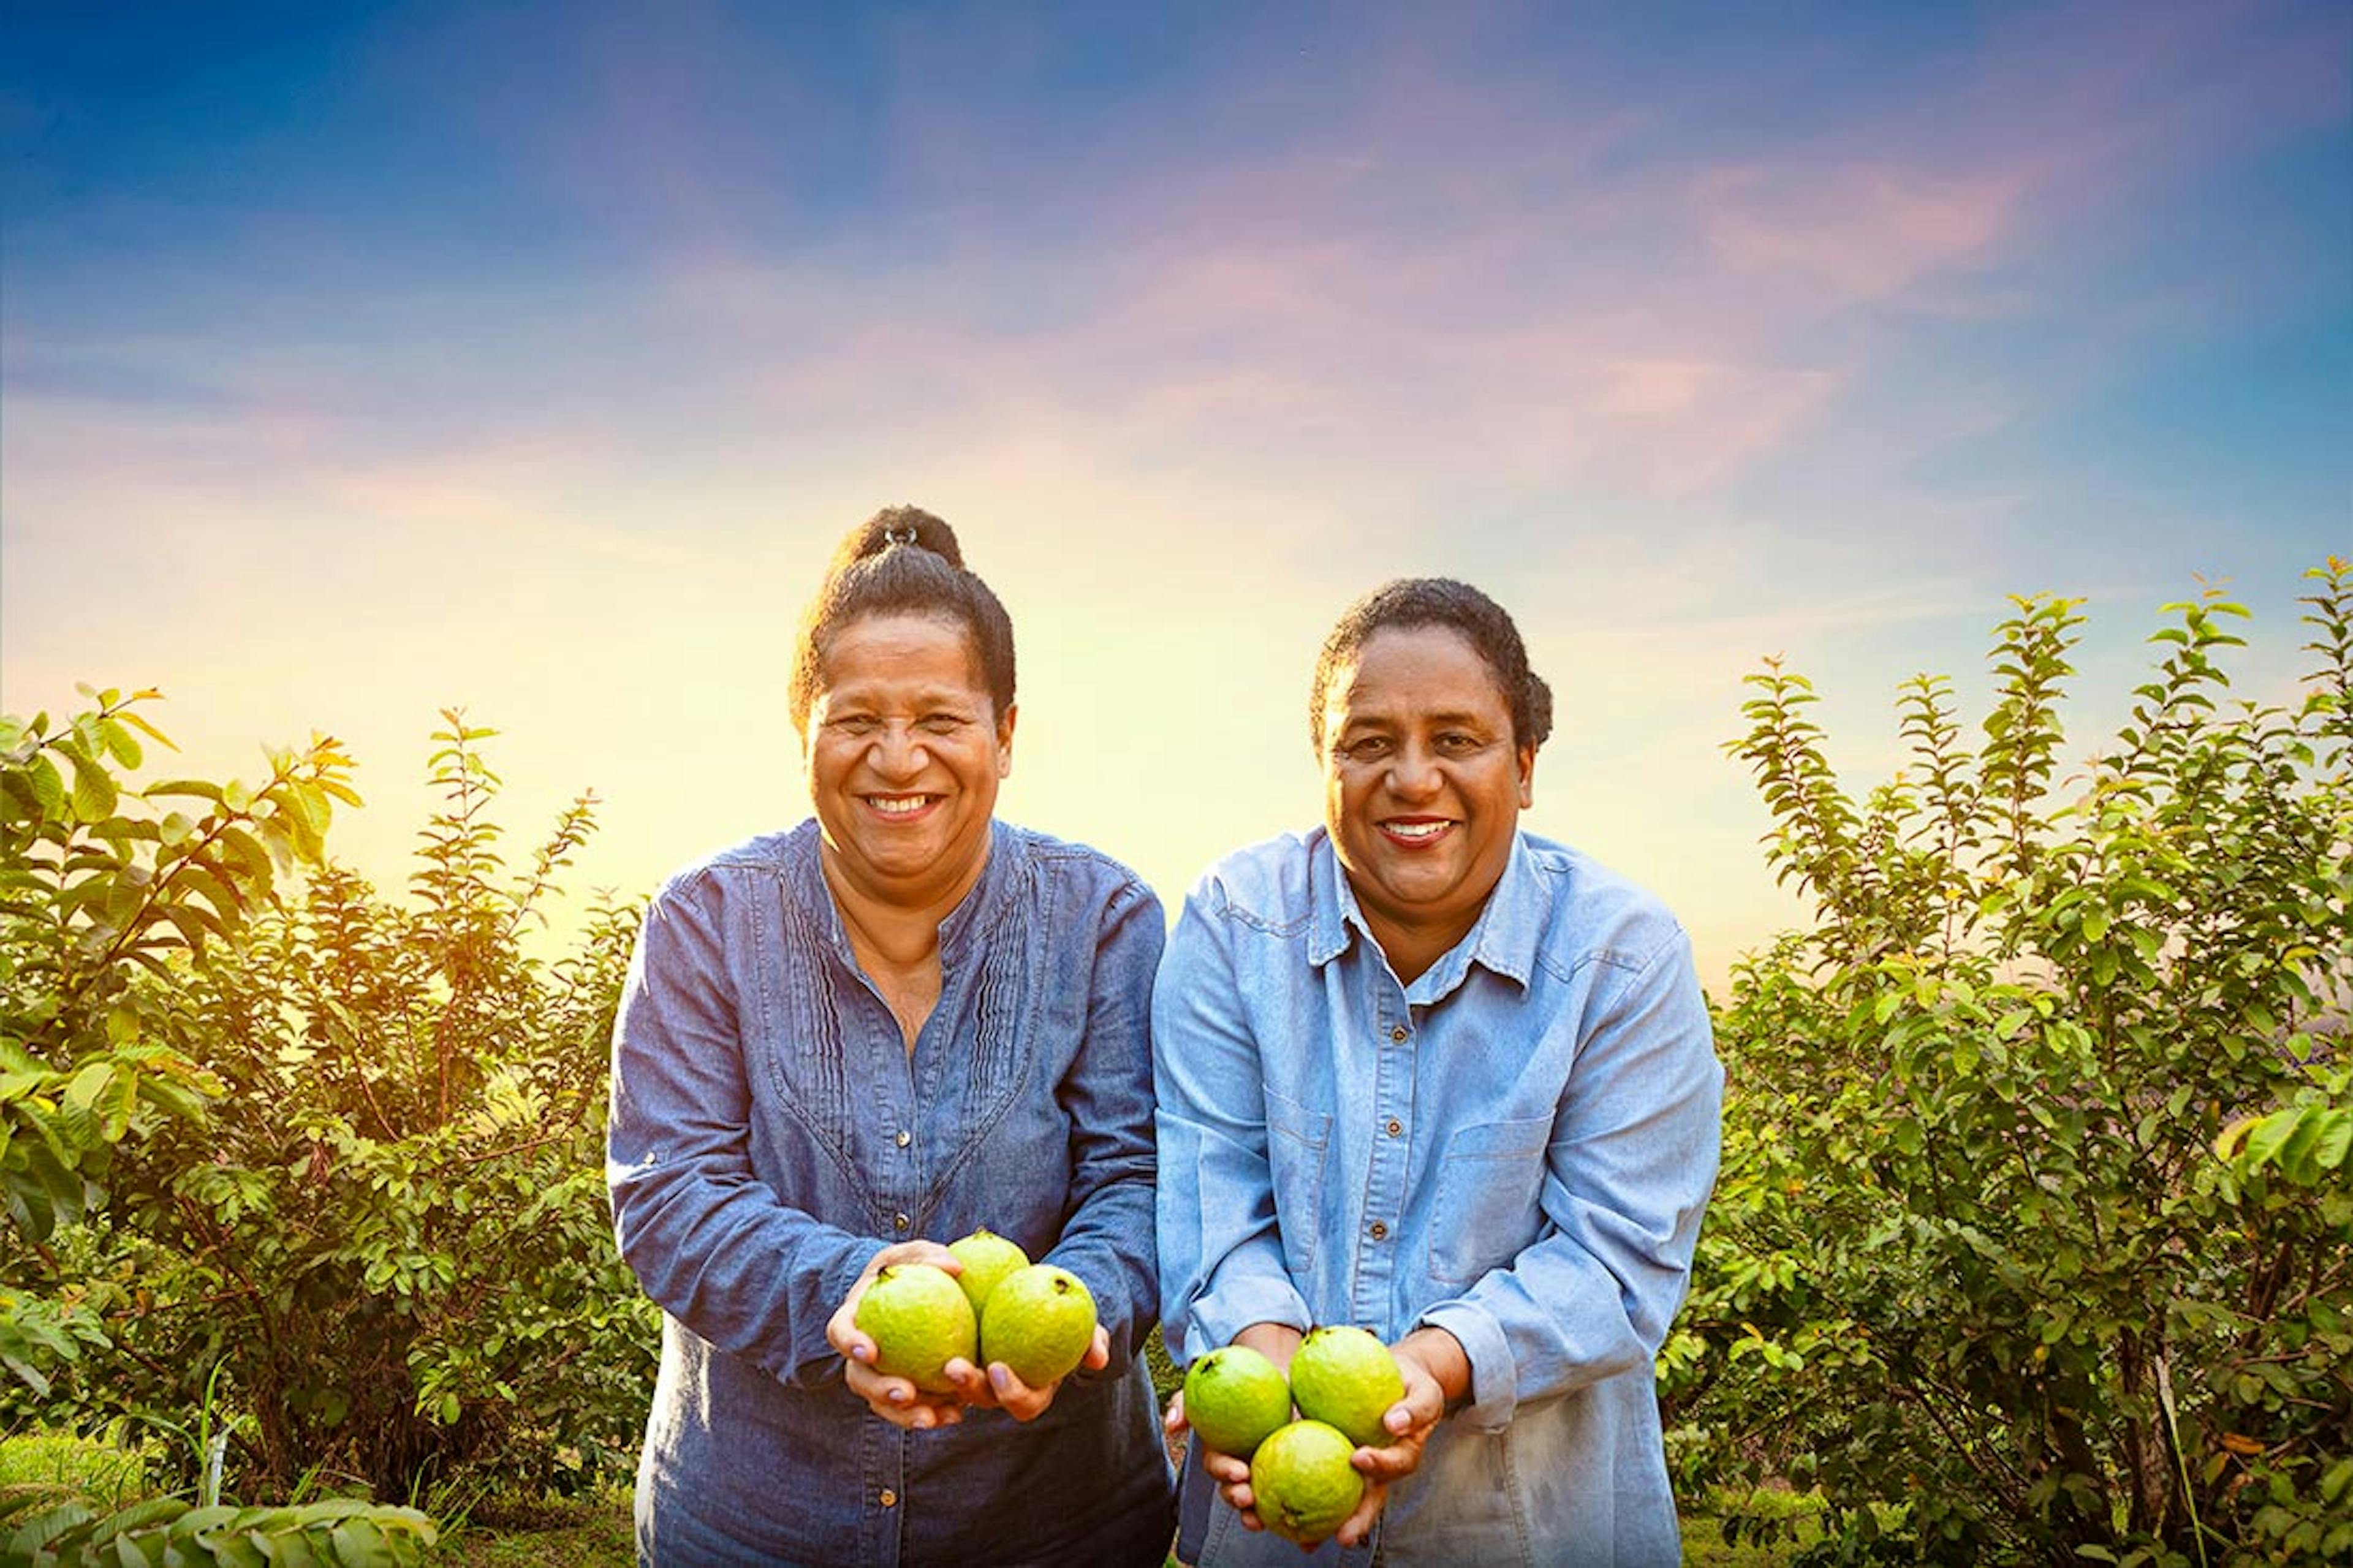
841 1047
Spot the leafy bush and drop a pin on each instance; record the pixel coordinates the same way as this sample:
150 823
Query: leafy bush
102 902
169 1534
2034 1239
342 1153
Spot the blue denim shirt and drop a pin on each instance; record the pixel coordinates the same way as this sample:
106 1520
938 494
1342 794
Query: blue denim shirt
770 1134
1515 1148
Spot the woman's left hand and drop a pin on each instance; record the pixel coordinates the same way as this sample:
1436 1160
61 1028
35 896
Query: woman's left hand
1409 1422
1023 1403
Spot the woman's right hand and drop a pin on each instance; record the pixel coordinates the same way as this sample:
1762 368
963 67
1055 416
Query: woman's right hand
896 1399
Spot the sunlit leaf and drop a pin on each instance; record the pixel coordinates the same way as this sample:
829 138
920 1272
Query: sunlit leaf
202 789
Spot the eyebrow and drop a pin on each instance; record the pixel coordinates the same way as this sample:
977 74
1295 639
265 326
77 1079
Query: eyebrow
1377 720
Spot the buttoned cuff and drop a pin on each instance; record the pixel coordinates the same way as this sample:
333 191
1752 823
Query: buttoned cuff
1494 1382
1218 1317
819 1363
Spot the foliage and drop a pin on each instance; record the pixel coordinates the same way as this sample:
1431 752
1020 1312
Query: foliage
169 1532
350 1147
2035 1217
101 896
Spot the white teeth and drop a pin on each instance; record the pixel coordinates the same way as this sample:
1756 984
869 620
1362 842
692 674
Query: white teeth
898 805
1417 829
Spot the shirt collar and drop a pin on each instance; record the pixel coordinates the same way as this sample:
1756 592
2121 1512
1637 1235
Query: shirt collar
1503 939
957 933
977 913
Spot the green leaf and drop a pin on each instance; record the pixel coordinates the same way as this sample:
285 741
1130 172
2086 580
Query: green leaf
209 885
40 1193
94 794
244 1550
115 1104
119 743
297 1549
2268 1137
202 789
359 1544
2296 1151
148 730
2335 1142
49 785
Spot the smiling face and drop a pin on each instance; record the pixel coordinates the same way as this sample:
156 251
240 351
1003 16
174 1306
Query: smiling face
904 750
1423 786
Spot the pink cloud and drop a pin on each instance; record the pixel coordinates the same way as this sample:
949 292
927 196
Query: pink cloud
1868 232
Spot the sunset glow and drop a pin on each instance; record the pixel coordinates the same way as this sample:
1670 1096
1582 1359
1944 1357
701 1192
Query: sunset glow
359 361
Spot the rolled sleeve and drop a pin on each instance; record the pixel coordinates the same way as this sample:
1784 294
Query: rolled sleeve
1631 1162
1222 1260
708 1241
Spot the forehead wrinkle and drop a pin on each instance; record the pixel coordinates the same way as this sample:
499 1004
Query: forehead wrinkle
882 693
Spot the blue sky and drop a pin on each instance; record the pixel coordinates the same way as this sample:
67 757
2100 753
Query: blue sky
356 360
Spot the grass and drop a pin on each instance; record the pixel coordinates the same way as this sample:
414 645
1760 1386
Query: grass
504 1531
596 1535
588 1532
1704 1542
98 1473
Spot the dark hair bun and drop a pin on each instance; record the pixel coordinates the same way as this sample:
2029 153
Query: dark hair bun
894 526
903 561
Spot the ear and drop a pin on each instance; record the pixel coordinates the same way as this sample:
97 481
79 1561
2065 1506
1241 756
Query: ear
1527 758
1004 740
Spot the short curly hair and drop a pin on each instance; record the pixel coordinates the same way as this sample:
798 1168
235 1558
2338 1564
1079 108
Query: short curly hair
1410 602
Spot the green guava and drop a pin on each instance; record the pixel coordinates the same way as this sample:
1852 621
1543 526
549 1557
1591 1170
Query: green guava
1038 1322
1234 1397
1347 1376
920 1321
1301 1483
987 1258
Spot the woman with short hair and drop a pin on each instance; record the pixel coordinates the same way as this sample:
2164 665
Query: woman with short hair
1427 1074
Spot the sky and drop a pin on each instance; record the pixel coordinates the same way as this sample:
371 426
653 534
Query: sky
361 360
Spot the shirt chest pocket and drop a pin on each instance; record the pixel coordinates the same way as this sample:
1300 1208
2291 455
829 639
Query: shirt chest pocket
1487 1207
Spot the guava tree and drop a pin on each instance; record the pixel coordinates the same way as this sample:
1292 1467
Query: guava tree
2035 1240
310 1169
109 898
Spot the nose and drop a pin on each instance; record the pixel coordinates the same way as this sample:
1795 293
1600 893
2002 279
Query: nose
898 753
1413 773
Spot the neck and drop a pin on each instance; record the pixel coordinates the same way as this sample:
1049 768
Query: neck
1412 948
898 924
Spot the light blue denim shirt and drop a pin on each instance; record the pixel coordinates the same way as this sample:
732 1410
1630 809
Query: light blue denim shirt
1516 1148
770 1134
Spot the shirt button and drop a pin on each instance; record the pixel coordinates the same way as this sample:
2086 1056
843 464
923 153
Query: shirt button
901 1221
888 1499
905 1138
1398 1034
1380 1231
1395 1127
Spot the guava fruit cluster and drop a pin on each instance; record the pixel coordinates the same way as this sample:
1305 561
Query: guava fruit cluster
1343 1380
1035 1318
